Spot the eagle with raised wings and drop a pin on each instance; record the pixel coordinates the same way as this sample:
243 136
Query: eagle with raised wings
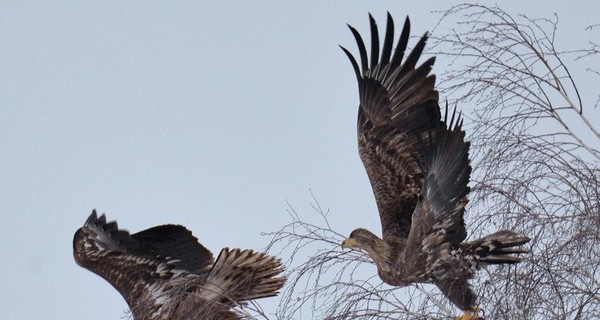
418 165
165 274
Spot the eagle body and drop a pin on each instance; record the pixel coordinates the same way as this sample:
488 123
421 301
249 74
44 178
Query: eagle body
418 164
164 273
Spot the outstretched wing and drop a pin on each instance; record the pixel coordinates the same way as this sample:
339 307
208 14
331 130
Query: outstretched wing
438 224
134 263
395 99
239 275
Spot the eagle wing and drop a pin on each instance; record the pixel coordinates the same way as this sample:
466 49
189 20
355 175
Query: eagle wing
133 263
395 99
438 225
156 270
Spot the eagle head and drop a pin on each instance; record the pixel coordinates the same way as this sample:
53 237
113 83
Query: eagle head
361 239
375 247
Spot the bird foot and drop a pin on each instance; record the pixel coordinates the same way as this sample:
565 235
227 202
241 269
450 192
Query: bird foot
470 315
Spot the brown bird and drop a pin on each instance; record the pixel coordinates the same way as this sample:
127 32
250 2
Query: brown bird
418 165
164 273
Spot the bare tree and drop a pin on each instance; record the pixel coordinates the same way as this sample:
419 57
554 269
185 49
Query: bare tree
535 157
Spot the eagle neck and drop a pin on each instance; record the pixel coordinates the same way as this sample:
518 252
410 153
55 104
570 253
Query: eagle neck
381 253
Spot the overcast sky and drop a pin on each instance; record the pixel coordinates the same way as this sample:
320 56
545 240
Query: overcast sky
206 114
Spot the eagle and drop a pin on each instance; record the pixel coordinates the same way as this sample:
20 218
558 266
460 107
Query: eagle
418 165
165 273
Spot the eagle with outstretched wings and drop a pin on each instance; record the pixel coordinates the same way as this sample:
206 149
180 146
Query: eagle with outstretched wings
418 165
165 273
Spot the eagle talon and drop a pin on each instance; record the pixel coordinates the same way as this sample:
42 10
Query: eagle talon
470 315
467 316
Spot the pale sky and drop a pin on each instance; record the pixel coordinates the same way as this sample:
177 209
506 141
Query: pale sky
206 114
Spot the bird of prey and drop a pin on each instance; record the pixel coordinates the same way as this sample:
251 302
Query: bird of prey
418 165
164 273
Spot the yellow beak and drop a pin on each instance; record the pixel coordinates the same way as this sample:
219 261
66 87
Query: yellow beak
348 243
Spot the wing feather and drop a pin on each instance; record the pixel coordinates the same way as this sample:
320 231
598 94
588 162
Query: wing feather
438 223
374 43
178 244
395 100
133 264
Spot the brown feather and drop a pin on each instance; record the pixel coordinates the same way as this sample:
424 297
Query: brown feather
164 273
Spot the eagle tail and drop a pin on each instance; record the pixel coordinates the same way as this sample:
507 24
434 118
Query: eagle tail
245 274
497 248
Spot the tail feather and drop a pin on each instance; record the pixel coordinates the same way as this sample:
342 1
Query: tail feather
498 248
244 275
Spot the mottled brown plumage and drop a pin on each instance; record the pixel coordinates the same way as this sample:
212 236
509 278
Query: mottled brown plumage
419 169
164 273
